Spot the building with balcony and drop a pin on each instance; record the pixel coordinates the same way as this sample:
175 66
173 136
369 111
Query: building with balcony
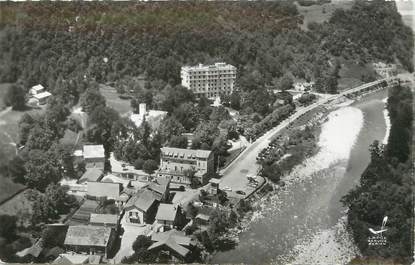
178 164
209 80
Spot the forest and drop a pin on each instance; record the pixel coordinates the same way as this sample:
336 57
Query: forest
386 187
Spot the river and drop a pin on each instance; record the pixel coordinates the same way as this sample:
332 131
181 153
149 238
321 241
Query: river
304 223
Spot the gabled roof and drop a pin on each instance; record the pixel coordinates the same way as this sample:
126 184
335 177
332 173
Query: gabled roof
178 236
111 219
88 235
91 174
37 87
159 187
167 212
94 151
141 201
42 95
173 239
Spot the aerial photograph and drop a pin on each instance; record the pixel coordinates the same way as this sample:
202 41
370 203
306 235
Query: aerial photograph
211 132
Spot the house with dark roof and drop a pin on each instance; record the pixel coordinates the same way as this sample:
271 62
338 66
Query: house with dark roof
174 242
161 189
88 239
175 163
169 216
91 174
141 208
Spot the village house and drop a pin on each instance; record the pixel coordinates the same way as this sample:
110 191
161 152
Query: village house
169 216
153 117
141 208
41 98
94 156
161 189
214 186
175 164
107 220
91 174
73 258
174 242
88 239
202 220
108 191
36 89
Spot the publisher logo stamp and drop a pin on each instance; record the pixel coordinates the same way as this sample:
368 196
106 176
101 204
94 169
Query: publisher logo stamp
377 237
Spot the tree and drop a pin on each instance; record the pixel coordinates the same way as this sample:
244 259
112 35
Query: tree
187 115
42 169
91 99
15 97
26 123
16 169
235 100
178 141
102 119
286 83
57 197
8 226
219 114
218 222
40 138
150 166
138 163
170 126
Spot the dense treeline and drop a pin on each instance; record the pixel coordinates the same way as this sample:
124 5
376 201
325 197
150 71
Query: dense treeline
111 42
386 186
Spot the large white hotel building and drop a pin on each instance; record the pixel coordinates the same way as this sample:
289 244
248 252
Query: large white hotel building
209 80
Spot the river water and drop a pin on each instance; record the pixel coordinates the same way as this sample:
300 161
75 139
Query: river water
304 223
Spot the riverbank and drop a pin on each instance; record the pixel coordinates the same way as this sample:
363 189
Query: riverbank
304 220
387 122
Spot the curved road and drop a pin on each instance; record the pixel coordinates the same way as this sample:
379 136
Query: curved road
234 175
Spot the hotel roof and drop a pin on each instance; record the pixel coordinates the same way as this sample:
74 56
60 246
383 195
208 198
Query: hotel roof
203 67
185 153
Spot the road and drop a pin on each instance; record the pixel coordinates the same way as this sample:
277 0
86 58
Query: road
234 175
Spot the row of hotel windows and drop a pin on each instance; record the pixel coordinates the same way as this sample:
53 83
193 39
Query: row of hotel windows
204 77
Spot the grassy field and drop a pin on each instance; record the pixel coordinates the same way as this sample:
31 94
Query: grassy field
3 90
8 188
19 206
321 13
122 106
350 75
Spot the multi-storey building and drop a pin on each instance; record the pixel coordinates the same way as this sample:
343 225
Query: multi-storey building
209 80
176 163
